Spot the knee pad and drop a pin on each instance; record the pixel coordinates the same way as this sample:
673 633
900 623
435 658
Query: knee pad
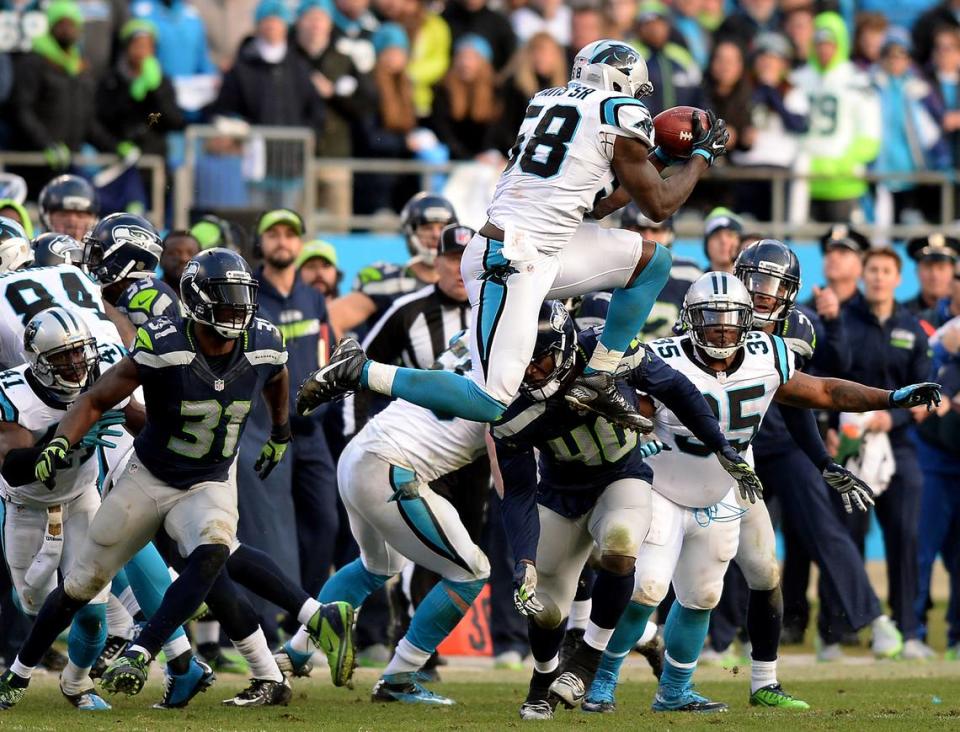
85 583
703 597
650 591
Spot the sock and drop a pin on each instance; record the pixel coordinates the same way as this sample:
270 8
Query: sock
628 311
440 611
648 634
206 632
119 621
137 648
630 627
88 633
129 601
21 671
149 578
579 614
548 666
407 658
762 673
177 646
597 637
544 642
440 391
352 583
308 610
611 595
301 641
257 654
258 572
55 615
74 679
764 623
184 596
684 635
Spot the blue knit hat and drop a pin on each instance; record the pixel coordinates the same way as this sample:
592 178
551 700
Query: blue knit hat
390 35
273 9
306 5
478 43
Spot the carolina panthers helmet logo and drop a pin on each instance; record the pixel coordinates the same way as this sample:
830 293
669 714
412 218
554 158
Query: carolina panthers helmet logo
619 56
30 333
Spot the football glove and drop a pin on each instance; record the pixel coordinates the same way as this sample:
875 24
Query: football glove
709 143
273 452
51 458
853 491
926 394
96 435
57 156
525 589
651 448
739 469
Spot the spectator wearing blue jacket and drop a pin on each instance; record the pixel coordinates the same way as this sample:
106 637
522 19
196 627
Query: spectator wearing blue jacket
182 47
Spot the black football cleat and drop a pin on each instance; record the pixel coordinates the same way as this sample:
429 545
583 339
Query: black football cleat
262 693
337 379
597 392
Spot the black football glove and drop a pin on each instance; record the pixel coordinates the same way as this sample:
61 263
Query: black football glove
709 143
739 469
853 491
926 394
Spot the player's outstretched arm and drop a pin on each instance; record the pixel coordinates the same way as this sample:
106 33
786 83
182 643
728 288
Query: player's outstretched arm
657 197
803 390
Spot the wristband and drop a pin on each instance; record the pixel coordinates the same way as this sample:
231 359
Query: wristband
703 154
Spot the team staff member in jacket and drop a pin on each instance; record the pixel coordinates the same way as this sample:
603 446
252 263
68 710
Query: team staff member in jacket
935 256
889 347
304 494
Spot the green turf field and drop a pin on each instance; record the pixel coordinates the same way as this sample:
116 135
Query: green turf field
859 695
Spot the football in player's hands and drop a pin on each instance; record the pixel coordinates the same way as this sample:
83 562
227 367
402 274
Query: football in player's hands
674 133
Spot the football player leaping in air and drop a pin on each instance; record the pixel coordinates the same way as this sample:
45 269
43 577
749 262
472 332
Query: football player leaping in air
574 144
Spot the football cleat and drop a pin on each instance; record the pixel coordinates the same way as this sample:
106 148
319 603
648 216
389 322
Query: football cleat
540 703
774 696
406 688
916 650
179 689
569 688
577 674
127 674
597 392
12 689
87 700
331 629
684 699
262 693
113 646
537 709
339 377
887 639
601 697
292 662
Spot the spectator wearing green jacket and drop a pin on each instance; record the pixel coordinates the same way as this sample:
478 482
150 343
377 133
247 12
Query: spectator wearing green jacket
845 122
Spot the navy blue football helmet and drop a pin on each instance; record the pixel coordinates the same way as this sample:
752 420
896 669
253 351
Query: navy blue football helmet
121 246
67 193
50 249
556 337
425 208
218 289
771 273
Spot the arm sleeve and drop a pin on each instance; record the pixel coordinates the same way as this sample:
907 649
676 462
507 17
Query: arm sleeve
802 425
681 397
518 508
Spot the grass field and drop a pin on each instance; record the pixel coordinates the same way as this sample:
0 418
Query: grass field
855 695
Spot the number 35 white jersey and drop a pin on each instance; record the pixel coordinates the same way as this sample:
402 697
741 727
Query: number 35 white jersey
26 292
560 164
689 473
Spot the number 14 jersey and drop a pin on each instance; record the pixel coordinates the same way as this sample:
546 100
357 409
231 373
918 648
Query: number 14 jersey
561 163
689 473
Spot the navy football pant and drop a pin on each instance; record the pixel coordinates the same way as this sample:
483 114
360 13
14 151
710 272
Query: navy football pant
939 534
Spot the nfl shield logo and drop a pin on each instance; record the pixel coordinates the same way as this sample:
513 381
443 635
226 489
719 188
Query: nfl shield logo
218 385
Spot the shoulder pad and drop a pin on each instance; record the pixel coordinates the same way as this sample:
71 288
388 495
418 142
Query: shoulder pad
162 342
799 333
628 117
10 380
265 344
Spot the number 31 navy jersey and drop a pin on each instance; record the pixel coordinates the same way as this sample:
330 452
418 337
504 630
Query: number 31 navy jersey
195 414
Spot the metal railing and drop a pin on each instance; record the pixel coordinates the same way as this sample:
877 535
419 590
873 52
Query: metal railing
153 165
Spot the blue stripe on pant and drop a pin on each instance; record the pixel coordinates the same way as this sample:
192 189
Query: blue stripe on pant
418 516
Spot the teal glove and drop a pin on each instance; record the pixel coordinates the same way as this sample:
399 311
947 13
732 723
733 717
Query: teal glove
51 458
149 79
57 156
96 434
273 452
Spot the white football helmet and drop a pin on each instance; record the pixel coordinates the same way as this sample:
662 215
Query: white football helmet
61 351
717 299
15 249
612 66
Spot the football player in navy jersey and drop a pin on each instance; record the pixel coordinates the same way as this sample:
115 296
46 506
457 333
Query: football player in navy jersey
199 377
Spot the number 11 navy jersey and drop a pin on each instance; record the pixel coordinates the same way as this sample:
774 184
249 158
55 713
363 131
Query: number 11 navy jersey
195 414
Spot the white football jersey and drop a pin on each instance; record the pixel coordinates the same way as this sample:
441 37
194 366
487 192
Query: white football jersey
689 474
413 437
26 292
561 163
20 404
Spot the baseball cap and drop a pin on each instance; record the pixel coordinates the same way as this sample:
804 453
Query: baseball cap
454 238
652 10
841 235
61 9
934 247
280 216
775 43
273 9
317 249
719 219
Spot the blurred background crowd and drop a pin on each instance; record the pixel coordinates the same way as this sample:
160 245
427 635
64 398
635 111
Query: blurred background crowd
845 128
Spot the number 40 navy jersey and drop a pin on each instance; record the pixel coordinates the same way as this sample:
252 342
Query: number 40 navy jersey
194 414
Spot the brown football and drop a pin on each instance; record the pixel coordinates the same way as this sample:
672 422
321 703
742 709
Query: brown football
674 130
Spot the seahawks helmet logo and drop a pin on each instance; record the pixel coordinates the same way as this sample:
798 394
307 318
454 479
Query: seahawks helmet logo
193 266
136 235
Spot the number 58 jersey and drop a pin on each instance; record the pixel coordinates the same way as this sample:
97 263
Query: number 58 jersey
561 163
689 473
26 292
